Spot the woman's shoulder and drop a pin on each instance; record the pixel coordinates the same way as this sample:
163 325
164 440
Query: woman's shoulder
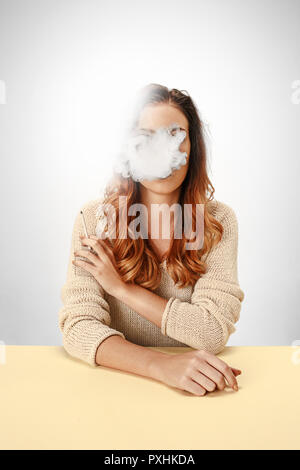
226 215
221 211
92 206
226 247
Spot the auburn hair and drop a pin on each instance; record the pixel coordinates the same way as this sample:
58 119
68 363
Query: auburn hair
135 259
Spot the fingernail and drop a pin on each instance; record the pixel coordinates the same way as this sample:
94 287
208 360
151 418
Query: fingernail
236 388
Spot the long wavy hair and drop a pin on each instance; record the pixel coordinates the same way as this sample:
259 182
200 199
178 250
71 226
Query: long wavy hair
135 259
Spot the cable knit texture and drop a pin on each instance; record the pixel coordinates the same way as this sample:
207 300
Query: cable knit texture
201 317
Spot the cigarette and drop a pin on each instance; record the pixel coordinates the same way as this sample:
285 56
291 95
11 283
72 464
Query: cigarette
85 229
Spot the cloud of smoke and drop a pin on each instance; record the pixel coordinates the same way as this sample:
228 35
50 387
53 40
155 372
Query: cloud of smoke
151 155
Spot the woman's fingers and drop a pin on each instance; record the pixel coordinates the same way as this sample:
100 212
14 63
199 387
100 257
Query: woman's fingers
224 369
213 374
95 245
193 387
236 371
103 244
204 381
108 250
87 254
85 265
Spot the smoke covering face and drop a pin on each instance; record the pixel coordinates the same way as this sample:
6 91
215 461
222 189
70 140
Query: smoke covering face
151 155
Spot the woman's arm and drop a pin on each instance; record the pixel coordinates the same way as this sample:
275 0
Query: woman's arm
195 371
118 353
85 323
143 301
84 319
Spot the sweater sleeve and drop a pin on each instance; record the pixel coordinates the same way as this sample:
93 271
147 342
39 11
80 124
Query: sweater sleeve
84 319
207 321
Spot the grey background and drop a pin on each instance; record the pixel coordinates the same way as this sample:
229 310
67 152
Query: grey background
70 69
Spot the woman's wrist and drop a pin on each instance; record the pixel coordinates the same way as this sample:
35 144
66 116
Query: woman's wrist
155 365
119 290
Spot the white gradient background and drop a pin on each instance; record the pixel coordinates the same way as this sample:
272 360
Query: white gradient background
70 69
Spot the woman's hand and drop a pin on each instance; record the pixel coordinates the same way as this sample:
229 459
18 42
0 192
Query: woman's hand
197 372
101 265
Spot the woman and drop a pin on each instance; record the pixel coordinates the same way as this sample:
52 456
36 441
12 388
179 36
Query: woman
130 293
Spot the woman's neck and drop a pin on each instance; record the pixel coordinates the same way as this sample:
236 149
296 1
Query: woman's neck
147 197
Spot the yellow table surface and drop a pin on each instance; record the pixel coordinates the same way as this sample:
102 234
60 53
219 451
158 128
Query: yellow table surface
50 400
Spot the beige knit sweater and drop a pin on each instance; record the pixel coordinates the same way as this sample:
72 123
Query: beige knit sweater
202 317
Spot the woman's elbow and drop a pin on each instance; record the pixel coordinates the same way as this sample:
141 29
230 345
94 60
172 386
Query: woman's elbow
70 330
216 347
215 342
69 345
76 350
217 339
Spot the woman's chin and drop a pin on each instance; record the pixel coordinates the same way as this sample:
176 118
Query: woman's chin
156 180
162 186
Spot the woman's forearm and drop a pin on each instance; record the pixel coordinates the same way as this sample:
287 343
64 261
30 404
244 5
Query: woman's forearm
146 303
118 353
